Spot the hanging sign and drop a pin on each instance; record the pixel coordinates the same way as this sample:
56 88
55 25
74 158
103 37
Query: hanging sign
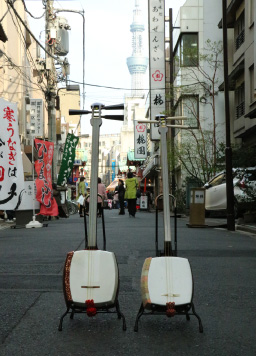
36 117
68 159
140 140
156 63
11 166
43 167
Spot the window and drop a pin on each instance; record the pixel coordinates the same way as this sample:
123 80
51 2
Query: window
186 52
189 50
220 179
251 12
239 99
188 106
251 75
239 31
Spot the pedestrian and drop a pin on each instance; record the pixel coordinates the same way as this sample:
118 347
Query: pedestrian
116 199
103 194
87 201
81 196
121 193
10 216
130 193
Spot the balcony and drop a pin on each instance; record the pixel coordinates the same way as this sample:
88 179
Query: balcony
239 40
240 110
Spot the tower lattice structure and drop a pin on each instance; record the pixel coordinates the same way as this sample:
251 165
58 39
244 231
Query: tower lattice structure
137 63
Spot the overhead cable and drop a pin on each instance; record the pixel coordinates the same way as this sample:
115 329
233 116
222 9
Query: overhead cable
34 17
23 23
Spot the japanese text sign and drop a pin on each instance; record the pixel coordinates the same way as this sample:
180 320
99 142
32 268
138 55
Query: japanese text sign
67 159
140 140
11 167
43 167
156 62
28 198
36 117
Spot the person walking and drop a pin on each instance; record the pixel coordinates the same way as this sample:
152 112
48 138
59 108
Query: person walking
102 192
131 184
116 199
81 196
121 193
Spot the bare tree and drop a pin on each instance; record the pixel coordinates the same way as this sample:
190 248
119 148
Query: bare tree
198 149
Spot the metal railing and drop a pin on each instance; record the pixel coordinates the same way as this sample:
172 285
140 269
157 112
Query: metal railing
240 39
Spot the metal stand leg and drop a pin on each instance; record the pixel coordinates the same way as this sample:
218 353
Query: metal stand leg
72 314
120 315
198 317
141 311
61 319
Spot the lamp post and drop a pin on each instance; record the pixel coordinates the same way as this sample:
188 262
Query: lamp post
228 149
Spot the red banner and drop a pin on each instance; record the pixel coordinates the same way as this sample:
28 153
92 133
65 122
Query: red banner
43 167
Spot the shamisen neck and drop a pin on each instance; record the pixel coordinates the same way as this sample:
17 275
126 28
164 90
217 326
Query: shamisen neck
164 163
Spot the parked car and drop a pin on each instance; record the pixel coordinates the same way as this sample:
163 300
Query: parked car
244 182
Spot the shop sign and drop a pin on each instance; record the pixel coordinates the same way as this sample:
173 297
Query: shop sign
36 118
11 166
140 140
156 62
68 159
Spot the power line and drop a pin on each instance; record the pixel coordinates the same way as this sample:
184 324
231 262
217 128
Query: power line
25 7
23 23
128 89
23 41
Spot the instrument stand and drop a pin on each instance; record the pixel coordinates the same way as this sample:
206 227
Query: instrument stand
100 310
160 310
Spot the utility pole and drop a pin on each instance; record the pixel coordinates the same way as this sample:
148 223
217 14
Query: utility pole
228 149
51 82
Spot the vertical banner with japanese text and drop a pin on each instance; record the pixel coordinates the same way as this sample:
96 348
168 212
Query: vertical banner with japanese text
11 166
156 62
140 140
67 159
43 167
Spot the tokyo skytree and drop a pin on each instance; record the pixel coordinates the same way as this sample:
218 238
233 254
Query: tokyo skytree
137 63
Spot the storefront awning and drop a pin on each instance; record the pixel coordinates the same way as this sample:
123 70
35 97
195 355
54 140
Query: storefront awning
112 186
151 164
131 161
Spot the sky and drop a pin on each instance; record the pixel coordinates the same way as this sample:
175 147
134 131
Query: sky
108 43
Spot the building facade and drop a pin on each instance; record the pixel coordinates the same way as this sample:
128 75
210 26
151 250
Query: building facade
198 72
242 77
18 63
109 156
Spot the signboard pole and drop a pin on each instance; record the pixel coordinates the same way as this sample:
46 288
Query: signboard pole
33 223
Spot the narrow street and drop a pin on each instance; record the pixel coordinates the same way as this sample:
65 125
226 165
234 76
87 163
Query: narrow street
32 301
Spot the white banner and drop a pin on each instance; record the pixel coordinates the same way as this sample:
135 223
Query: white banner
29 201
11 167
36 117
140 140
156 62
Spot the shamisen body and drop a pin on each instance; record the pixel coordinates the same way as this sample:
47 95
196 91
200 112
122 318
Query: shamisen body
166 282
91 278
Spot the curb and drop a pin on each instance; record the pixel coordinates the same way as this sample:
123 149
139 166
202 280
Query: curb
246 228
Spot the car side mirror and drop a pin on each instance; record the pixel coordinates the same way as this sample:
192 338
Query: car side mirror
207 186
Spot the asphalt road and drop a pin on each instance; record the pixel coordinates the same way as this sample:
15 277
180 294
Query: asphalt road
31 266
